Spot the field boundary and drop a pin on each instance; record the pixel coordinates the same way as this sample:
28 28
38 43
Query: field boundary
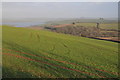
104 39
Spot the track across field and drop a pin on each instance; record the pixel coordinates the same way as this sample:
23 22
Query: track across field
62 62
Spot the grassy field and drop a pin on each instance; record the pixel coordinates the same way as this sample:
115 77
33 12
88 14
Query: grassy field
101 25
44 54
104 24
113 26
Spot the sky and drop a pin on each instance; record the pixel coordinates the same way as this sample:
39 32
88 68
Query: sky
60 0
17 10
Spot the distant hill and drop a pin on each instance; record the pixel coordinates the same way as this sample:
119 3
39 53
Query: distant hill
77 20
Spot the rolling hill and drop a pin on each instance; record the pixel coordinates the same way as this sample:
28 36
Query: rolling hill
31 53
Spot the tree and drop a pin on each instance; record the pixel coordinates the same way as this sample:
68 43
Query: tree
97 25
73 23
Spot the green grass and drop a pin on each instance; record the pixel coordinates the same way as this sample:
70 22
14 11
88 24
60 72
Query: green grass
113 25
86 52
104 24
101 25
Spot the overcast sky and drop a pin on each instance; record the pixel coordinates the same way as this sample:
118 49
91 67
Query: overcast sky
59 9
60 0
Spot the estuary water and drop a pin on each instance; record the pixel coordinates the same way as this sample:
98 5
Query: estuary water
22 24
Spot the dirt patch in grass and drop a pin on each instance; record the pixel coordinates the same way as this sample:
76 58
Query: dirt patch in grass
63 25
110 38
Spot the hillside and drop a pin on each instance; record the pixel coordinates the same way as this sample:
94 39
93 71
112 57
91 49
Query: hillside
87 20
31 53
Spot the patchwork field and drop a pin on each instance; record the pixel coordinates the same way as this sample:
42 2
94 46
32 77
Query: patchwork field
31 53
109 26
101 25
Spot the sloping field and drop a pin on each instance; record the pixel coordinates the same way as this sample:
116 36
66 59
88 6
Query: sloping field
31 53
63 25
108 26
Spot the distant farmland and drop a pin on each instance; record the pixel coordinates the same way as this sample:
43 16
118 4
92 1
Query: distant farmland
105 24
108 31
31 53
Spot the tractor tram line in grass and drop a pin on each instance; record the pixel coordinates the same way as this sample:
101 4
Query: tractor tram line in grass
30 64
86 73
65 62
96 69
24 60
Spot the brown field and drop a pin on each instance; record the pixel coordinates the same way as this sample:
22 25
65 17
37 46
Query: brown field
63 25
110 38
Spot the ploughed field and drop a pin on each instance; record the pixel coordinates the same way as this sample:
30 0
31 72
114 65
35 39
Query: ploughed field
31 53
